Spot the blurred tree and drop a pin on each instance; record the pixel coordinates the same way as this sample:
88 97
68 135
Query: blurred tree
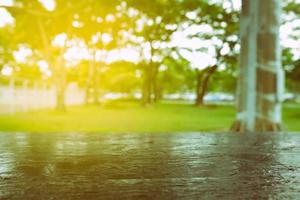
221 24
293 75
122 77
6 48
176 75
154 27
288 66
36 26
290 60
98 24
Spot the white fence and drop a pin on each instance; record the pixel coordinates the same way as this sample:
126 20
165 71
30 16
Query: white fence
22 98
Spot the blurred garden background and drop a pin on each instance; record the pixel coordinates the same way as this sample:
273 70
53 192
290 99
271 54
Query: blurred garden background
129 66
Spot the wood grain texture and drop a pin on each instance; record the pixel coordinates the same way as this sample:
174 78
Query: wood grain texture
149 166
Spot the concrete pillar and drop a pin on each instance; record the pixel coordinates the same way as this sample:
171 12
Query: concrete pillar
12 98
261 78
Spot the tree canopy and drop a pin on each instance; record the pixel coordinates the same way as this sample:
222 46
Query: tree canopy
149 47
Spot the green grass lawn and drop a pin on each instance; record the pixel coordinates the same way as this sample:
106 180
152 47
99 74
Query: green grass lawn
120 116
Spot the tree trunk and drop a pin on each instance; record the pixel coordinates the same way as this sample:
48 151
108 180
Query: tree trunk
203 79
61 83
59 72
261 80
146 98
87 94
199 100
149 87
96 84
60 100
92 89
155 86
89 83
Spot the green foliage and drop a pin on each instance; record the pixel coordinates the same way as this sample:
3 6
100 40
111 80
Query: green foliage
177 76
122 77
146 25
293 76
291 6
5 46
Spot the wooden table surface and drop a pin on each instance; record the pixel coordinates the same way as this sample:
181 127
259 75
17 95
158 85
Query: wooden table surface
149 166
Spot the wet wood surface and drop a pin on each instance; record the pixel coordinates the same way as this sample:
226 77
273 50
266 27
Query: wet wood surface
149 166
